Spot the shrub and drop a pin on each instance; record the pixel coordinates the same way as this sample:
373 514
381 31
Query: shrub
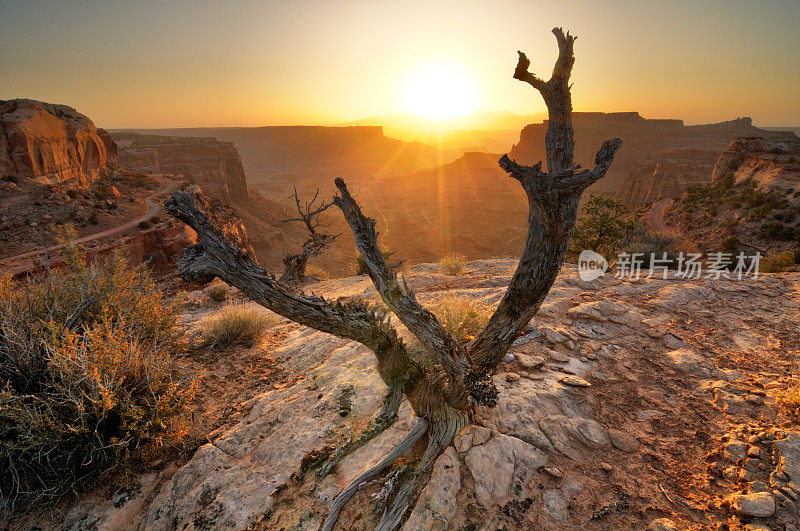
775 230
317 272
453 264
361 265
85 373
461 317
237 326
10 179
93 219
604 225
155 220
217 292
778 264
143 225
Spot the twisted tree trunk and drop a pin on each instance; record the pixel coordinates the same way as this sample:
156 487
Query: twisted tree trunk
445 382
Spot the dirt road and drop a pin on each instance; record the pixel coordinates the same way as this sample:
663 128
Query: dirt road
657 215
21 262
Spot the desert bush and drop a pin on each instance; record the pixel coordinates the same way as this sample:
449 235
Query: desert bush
361 265
85 376
316 272
777 264
603 227
463 318
144 225
217 292
453 264
775 230
236 326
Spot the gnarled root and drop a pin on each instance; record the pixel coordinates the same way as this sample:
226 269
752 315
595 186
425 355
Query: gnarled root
441 436
387 417
408 441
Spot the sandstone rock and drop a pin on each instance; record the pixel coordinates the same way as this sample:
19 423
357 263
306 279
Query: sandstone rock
662 524
735 450
688 361
51 143
758 504
497 464
623 441
530 362
552 336
437 502
571 436
574 381
554 506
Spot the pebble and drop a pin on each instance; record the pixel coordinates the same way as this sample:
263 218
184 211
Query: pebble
606 467
554 471
512 377
662 524
509 357
574 381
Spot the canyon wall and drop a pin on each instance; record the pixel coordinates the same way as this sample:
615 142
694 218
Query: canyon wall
52 143
667 175
657 156
772 162
215 166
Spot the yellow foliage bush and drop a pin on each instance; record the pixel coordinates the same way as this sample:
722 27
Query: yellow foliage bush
85 375
453 265
462 317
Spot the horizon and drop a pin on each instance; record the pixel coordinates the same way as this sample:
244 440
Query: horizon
255 64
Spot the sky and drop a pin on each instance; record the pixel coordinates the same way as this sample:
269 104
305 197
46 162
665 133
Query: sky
175 63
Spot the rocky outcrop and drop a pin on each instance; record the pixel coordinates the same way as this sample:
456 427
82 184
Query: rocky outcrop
649 431
667 176
52 143
643 140
772 162
215 166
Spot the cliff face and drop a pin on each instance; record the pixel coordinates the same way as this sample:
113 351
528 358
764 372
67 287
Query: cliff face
643 140
772 162
215 166
668 175
52 143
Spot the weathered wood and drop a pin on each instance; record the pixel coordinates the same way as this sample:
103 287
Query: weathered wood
295 264
553 208
443 387
441 345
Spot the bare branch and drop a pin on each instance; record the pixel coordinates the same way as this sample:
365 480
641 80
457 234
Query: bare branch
295 264
422 323
521 73
213 256
553 207
578 182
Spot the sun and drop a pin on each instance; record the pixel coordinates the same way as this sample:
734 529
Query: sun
439 92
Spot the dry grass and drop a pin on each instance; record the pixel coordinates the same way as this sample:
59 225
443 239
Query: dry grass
453 264
317 272
217 292
85 376
237 326
462 317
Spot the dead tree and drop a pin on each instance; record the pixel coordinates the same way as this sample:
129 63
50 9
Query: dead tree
295 264
445 382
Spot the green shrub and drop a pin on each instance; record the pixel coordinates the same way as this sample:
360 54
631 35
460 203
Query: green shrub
85 376
778 264
217 292
453 264
237 326
604 225
775 230
144 225
463 318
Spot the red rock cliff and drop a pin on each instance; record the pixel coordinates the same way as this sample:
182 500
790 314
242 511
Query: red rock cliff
52 143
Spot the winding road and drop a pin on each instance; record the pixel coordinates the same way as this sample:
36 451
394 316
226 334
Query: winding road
155 208
657 215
